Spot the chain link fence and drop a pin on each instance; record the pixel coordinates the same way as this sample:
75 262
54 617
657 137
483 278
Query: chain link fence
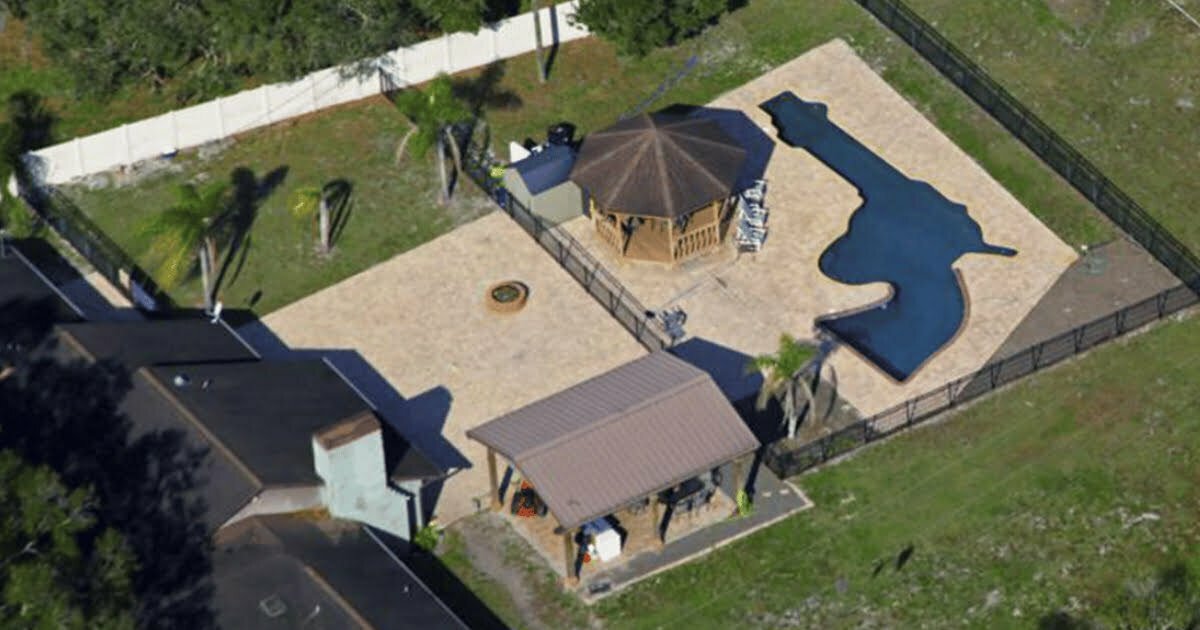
570 254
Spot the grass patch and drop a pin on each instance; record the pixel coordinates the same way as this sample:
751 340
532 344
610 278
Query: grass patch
1023 505
489 591
1117 79
392 208
591 86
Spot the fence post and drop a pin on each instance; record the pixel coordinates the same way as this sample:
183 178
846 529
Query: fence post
221 116
447 62
79 167
266 103
312 92
128 157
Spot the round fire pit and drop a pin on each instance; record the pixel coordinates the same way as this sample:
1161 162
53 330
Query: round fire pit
507 297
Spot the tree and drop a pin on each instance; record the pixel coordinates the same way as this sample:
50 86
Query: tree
787 373
432 112
27 128
636 27
187 231
201 48
455 16
58 567
311 201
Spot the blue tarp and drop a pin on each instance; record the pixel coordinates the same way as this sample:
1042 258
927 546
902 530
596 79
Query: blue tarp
546 169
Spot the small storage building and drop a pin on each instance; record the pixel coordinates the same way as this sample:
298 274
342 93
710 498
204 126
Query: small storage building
541 182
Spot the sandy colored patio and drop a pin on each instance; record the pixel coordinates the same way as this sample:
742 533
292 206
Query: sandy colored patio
420 323
744 302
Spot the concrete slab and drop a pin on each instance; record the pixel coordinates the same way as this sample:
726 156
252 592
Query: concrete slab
744 302
417 325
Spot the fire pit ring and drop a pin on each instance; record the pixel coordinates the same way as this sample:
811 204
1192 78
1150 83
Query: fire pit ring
507 297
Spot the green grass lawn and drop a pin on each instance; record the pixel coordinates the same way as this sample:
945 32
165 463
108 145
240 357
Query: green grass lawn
392 208
590 86
1027 500
1117 79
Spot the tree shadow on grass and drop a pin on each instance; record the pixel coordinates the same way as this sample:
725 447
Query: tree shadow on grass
67 415
483 91
248 194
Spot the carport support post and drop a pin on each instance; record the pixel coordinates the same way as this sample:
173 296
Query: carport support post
739 475
493 480
569 557
659 535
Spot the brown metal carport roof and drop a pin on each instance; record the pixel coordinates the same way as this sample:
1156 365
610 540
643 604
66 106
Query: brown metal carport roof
619 437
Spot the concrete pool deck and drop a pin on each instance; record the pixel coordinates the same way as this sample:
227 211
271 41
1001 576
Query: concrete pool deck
744 302
417 324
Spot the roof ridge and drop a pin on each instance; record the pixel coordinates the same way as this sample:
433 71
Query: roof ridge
165 392
693 381
686 155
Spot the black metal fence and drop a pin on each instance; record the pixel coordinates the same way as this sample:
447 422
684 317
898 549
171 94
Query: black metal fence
1086 178
571 255
1040 138
74 226
787 462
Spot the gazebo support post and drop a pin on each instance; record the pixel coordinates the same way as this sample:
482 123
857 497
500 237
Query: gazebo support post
569 557
493 480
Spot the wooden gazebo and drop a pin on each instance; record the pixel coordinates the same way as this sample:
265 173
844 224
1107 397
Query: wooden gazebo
660 185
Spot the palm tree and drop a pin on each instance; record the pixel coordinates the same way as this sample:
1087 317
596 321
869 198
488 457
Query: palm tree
187 231
792 370
432 112
309 201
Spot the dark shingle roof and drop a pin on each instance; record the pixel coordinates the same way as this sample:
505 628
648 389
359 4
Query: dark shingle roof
330 574
264 413
140 343
660 165
620 436
220 483
29 304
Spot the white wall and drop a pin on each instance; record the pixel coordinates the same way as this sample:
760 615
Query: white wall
241 112
280 500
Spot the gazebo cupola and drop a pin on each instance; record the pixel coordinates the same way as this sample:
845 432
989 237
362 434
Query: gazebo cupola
660 185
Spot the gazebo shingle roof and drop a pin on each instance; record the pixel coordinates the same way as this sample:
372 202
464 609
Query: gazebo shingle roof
620 436
661 165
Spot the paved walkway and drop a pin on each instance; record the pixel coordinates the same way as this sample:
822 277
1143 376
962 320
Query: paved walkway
744 303
1112 276
774 501
413 333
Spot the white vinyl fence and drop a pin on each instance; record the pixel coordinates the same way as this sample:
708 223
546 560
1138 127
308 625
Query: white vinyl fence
268 104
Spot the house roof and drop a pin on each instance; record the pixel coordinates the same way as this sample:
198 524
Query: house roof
546 169
328 574
620 436
263 413
29 303
135 344
662 165
220 484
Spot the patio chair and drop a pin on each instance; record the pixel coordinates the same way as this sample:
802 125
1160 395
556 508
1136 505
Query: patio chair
745 228
757 221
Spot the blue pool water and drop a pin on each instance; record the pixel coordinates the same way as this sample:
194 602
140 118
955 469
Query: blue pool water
905 233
